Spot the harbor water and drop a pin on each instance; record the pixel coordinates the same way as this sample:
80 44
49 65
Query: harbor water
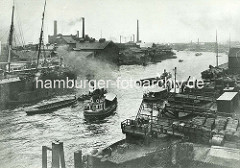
22 136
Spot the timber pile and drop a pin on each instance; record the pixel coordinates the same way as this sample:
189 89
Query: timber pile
220 123
236 136
209 123
217 139
198 121
231 128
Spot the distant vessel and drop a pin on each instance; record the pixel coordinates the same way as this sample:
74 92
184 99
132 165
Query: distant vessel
50 107
100 106
198 54
180 60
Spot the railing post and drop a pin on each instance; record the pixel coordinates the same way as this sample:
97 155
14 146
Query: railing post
78 159
44 157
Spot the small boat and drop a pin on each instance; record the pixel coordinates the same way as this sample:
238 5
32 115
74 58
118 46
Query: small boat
155 94
100 106
198 54
155 80
180 60
50 107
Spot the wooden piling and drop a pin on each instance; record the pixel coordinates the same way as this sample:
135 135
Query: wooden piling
94 162
44 157
78 163
61 153
55 155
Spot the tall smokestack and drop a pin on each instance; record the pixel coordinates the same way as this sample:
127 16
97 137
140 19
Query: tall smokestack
55 28
133 37
137 31
77 34
83 27
120 39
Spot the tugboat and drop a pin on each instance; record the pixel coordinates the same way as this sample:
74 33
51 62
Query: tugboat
101 105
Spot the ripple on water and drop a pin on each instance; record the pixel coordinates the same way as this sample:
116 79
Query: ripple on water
22 136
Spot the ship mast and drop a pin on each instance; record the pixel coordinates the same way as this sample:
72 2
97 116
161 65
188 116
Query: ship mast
10 39
216 49
41 36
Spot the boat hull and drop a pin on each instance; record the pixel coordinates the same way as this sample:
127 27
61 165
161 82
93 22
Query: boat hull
100 114
51 109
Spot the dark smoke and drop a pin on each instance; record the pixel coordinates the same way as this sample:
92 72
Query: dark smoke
73 22
87 67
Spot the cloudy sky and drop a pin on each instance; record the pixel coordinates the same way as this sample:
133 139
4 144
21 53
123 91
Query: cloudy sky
160 20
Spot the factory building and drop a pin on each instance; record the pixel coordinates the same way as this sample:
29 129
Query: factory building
102 49
60 39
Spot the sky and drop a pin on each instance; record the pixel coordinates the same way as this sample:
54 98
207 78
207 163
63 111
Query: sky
160 21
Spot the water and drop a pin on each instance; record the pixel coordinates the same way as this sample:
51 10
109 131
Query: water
22 137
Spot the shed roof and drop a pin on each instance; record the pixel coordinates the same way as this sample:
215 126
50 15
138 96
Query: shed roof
69 39
92 45
234 52
227 96
110 96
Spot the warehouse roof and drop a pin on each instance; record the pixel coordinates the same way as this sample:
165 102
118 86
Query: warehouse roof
227 96
68 39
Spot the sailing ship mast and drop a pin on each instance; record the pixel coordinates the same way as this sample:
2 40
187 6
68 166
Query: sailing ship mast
216 49
10 39
41 36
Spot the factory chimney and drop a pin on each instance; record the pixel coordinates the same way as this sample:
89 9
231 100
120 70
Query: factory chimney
83 27
55 28
133 37
77 34
137 31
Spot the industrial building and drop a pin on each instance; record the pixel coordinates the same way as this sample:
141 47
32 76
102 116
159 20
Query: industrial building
104 50
61 39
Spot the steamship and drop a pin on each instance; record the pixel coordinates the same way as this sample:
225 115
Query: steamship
19 86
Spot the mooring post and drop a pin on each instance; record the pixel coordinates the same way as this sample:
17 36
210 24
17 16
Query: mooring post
44 157
78 159
93 162
61 152
55 154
